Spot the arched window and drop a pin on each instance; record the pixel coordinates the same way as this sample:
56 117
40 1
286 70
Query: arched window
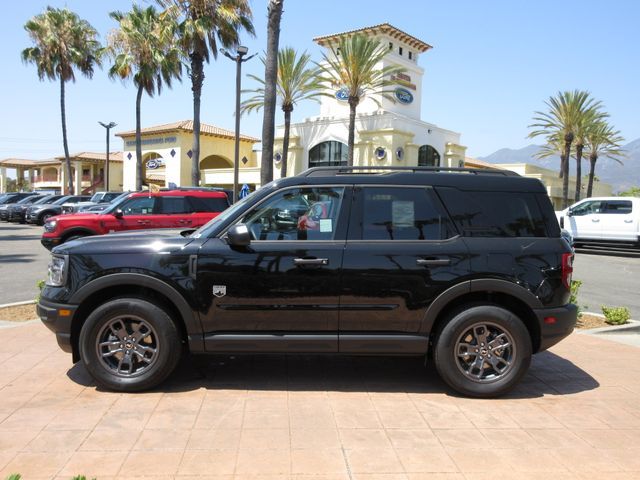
328 154
428 156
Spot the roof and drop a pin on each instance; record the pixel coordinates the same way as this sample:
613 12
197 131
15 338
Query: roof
23 162
382 28
94 156
474 162
187 126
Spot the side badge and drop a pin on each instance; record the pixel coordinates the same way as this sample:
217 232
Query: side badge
219 290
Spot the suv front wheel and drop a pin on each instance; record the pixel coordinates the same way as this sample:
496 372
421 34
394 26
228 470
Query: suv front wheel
483 351
129 344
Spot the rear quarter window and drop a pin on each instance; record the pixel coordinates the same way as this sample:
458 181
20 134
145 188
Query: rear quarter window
208 204
499 214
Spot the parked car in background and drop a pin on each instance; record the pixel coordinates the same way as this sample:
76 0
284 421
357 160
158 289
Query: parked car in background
12 199
179 208
463 267
603 220
96 199
39 214
85 207
17 211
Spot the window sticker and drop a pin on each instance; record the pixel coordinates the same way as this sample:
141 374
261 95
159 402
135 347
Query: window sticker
326 225
403 214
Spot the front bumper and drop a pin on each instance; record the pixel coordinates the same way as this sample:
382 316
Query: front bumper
50 242
58 317
551 332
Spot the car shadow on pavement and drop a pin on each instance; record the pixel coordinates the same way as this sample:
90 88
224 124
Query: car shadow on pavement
549 375
18 258
14 238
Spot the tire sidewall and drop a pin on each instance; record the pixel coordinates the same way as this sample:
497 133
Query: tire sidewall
168 352
445 358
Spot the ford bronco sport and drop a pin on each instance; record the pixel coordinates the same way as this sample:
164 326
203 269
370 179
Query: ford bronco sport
464 266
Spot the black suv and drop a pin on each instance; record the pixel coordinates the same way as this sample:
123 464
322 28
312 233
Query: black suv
464 266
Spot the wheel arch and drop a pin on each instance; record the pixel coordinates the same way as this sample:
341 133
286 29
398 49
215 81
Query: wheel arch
135 285
77 230
502 293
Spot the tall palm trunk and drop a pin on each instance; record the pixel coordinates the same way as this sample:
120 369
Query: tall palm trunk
592 170
285 141
67 160
568 140
197 78
270 78
353 103
579 149
138 140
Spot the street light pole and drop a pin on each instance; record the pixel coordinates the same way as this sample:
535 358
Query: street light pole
240 52
108 126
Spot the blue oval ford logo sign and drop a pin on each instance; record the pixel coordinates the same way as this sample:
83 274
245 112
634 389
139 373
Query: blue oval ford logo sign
342 94
404 96
154 163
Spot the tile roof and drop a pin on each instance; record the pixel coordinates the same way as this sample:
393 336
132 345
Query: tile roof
23 162
96 156
385 28
187 126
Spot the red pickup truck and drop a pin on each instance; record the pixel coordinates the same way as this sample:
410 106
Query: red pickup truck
178 208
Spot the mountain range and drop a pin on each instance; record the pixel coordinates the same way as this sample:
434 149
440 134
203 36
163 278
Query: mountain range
620 177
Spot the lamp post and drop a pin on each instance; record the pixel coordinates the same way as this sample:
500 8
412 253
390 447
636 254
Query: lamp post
108 126
240 52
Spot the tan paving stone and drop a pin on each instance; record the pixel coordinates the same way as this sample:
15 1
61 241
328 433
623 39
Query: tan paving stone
150 463
216 439
374 460
110 439
319 438
413 438
434 460
357 419
162 439
93 464
264 462
57 441
265 439
35 464
461 438
318 461
207 462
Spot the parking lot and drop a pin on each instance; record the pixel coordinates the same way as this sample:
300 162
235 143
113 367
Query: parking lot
609 280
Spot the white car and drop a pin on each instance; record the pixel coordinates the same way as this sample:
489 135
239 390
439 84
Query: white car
614 220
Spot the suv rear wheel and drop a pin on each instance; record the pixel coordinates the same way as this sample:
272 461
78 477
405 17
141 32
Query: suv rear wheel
129 344
483 351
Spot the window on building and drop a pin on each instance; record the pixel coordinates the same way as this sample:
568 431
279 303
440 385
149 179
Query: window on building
410 55
393 213
328 154
390 46
400 50
428 156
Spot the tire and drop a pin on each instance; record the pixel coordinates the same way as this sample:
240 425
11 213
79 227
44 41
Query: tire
44 217
483 372
141 358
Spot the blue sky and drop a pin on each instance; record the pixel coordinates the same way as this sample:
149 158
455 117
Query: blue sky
494 62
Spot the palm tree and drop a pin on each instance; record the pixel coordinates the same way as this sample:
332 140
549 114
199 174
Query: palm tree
566 112
601 140
202 25
63 42
354 66
144 47
274 15
587 121
296 82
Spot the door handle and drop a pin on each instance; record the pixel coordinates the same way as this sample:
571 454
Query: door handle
595 220
144 222
184 222
433 261
628 221
301 262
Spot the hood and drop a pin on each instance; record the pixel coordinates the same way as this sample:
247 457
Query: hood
160 241
76 217
45 206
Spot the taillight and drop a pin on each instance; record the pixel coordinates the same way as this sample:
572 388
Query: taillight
567 269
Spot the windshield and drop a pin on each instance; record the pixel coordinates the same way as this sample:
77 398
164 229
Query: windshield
96 198
44 199
62 200
28 199
229 212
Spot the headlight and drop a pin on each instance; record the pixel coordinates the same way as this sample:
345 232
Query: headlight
50 226
57 274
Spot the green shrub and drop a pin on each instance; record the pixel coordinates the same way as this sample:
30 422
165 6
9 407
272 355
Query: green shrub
575 287
14 476
616 315
40 284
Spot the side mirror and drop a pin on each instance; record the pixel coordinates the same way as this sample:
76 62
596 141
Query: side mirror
238 235
118 213
569 213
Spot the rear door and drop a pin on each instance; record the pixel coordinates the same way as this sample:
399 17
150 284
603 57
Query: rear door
401 253
619 221
173 212
206 207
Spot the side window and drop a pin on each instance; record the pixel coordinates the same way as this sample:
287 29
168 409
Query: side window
618 206
174 205
139 206
392 213
297 214
208 204
586 208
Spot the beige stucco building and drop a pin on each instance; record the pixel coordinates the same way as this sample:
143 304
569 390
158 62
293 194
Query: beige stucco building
87 169
166 156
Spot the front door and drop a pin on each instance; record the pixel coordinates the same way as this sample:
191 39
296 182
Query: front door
402 256
280 293
137 213
584 222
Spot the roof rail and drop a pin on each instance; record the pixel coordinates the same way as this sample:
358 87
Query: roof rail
344 170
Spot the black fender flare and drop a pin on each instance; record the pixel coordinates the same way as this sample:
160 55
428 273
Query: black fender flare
76 230
191 320
477 285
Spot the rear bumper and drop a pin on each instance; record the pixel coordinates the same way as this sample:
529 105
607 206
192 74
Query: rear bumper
57 317
552 331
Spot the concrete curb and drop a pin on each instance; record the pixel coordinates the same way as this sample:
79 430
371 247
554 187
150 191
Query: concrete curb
629 328
17 304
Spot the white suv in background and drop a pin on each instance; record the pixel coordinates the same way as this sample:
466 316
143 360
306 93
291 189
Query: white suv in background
603 220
